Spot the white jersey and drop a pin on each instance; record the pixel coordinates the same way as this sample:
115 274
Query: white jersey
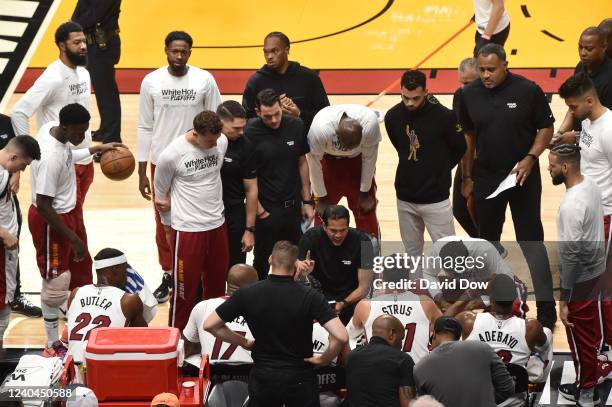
193 178
92 307
505 336
54 175
596 155
217 350
168 105
55 88
482 13
407 308
322 139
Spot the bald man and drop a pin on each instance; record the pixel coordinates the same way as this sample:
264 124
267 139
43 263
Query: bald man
197 340
606 27
595 62
344 143
379 373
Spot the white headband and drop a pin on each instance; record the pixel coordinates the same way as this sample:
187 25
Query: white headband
113 261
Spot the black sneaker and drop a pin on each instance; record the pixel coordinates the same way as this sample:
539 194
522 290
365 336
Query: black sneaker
23 306
162 293
571 392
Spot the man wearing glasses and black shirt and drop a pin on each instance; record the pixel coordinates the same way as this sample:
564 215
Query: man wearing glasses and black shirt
508 124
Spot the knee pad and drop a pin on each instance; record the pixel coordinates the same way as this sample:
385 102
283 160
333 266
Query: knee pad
55 291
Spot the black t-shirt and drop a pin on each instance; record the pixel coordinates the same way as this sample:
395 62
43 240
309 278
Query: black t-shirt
238 165
279 313
300 84
6 130
429 144
375 372
602 79
277 153
506 120
336 266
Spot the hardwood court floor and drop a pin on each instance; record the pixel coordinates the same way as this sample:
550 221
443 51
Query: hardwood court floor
117 216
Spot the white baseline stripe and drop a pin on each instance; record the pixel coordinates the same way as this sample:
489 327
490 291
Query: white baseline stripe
12 28
568 376
545 397
132 356
3 63
15 8
7 46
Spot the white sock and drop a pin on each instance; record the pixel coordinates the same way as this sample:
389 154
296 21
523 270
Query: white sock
50 315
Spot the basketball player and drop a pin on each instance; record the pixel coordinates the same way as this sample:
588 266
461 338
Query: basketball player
512 338
581 264
14 157
492 23
344 143
65 81
416 312
595 160
102 304
170 97
200 341
55 219
189 199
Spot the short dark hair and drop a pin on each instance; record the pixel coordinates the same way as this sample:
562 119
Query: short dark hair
284 39
284 254
63 31
74 113
27 144
178 36
335 212
502 290
412 79
207 122
108 253
576 86
493 49
567 152
454 250
595 32
230 110
267 97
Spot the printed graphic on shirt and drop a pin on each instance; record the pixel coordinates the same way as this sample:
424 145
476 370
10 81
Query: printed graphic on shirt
199 164
178 95
414 143
77 89
586 138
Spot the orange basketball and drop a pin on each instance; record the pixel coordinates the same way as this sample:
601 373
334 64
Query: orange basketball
117 164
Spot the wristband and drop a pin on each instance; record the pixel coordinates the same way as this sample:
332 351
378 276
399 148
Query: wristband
250 229
308 202
535 157
466 177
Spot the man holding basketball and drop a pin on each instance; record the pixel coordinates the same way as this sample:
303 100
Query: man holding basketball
170 97
189 199
55 219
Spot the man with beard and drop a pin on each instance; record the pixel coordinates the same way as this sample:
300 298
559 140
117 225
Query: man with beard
581 265
170 97
301 90
65 81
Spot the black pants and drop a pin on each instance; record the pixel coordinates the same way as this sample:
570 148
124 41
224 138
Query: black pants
499 38
101 66
275 387
235 218
525 206
281 224
460 209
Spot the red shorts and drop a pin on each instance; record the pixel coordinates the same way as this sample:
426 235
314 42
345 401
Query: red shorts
84 178
200 267
54 253
342 177
606 284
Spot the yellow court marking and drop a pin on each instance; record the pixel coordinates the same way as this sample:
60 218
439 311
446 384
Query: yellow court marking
399 38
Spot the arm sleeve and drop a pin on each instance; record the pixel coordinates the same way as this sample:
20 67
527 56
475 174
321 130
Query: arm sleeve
164 172
502 381
571 248
316 142
248 100
455 140
29 103
320 309
249 165
191 329
406 375
391 130
48 172
80 154
366 261
303 131
212 100
369 155
146 119
304 245
606 145
232 308
89 16
465 120
541 114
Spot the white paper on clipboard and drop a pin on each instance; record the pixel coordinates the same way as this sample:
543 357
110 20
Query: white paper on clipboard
507 183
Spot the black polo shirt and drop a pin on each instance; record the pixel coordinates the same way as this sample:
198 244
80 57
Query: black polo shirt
277 153
279 313
336 266
375 372
238 165
506 120
6 130
602 79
